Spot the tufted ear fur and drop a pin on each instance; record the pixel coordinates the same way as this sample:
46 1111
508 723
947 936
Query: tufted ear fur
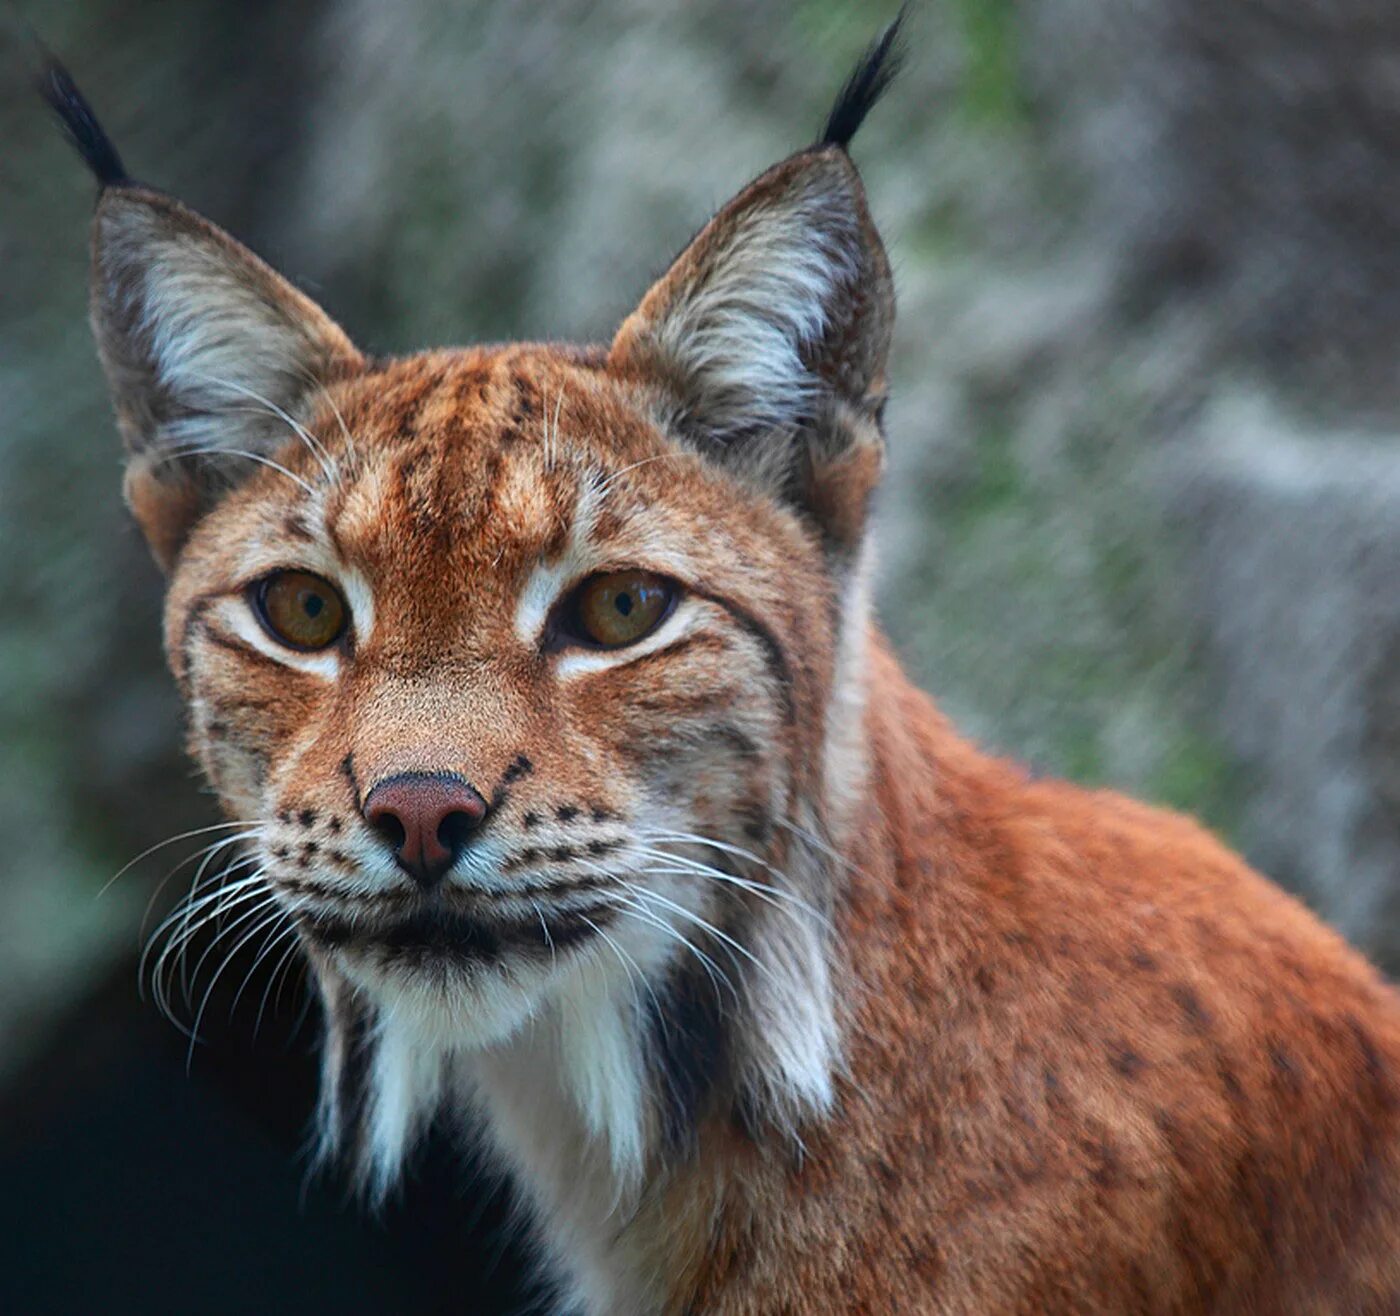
765 344
774 325
203 345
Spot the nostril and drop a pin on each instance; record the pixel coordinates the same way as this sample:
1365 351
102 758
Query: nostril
456 829
390 827
427 818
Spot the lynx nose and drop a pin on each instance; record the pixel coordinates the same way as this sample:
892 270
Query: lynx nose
427 817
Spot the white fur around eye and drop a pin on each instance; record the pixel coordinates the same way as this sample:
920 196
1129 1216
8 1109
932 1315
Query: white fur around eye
237 617
355 590
578 662
547 582
353 586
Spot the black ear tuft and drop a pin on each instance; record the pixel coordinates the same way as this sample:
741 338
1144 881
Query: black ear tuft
57 87
867 83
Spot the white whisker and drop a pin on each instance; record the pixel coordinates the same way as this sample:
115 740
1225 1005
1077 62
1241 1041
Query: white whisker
258 959
282 964
172 454
171 840
313 445
270 921
644 895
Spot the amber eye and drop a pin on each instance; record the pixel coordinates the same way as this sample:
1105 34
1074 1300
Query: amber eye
619 608
301 610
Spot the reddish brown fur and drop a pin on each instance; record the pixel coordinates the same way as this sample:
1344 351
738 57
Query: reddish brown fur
1088 1061
1097 1064
1093 1062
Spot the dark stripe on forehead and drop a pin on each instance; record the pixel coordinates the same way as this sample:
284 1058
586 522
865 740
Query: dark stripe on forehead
411 397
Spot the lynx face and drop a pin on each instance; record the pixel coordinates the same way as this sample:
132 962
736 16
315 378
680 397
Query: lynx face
534 672
561 646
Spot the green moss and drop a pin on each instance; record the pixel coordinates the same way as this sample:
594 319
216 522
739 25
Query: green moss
1199 778
991 92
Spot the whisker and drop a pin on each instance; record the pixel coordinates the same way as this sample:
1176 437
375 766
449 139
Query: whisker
182 911
270 921
257 960
198 881
715 973
765 891
639 910
816 842
171 840
610 479
254 911
175 453
282 964
233 894
642 894
548 939
725 847
313 445
629 965
320 385
205 853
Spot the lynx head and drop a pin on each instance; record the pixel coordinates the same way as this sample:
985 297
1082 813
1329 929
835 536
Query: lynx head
534 671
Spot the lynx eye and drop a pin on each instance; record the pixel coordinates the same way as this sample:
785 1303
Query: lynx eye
619 608
299 609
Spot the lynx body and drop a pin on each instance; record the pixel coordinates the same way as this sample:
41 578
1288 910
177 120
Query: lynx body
546 682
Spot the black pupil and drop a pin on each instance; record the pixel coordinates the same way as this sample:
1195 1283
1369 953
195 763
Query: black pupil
313 604
623 603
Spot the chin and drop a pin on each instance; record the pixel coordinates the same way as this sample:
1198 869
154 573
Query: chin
457 982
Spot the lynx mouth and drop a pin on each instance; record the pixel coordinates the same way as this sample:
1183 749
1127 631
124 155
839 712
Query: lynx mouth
436 934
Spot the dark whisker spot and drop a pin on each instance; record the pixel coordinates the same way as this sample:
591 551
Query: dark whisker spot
566 813
307 817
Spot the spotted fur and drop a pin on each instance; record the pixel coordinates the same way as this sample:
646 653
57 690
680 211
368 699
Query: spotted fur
774 993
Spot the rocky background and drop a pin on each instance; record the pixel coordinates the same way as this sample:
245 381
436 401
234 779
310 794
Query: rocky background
1143 526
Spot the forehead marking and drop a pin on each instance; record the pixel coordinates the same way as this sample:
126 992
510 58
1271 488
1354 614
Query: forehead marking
550 578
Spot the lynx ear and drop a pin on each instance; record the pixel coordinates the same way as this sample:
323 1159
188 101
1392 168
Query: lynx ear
203 345
780 309
765 343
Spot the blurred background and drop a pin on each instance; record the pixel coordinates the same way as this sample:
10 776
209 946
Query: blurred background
1143 525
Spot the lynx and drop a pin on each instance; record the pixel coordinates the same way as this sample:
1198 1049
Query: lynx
544 683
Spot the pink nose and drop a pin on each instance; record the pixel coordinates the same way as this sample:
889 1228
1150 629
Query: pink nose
427 817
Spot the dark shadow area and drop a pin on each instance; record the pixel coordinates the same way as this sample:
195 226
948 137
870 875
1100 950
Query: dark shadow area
133 1188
